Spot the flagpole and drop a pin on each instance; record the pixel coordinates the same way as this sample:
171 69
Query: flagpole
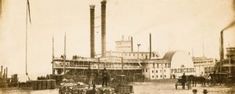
26 39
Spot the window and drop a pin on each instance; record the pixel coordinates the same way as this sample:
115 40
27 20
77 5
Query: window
161 76
152 76
156 71
152 71
146 70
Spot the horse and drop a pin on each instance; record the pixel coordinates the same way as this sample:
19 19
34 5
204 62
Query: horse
194 80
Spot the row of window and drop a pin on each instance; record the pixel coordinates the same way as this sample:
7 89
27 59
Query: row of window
181 70
160 76
158 71
140 54
166 65
146 70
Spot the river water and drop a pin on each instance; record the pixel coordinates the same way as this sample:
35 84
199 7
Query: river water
158 87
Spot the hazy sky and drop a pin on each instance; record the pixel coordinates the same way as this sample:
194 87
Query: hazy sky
174 24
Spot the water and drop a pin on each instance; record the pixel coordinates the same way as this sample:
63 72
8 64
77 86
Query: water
158 87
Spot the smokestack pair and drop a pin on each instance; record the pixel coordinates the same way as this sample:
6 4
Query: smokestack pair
103 29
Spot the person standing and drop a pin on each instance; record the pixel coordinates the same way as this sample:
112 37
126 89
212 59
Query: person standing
105 77
183 80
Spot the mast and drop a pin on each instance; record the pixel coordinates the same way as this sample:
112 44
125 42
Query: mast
53 55
64 53
26 40
28 18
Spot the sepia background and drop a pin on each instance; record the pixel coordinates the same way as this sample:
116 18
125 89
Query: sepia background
189 25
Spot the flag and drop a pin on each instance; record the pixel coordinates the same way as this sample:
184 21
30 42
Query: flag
28 11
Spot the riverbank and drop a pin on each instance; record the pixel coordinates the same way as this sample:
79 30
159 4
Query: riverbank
166 86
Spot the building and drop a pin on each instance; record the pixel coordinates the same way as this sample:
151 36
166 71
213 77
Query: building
203 66
229 63
124 45
173 64
156 69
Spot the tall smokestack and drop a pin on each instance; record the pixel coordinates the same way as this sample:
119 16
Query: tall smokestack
221 45
131 44
92 31
150 46
103 27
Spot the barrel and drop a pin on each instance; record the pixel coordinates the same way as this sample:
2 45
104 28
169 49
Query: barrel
44 84
48 84
34 85
39 84
53 84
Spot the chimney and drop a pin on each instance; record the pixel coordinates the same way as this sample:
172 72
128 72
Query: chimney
131 44
103 27
92 31
150 46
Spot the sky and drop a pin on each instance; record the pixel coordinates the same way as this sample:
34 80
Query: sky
184 25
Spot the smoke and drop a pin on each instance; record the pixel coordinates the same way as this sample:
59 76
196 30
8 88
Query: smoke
233 22
230 25
233 5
